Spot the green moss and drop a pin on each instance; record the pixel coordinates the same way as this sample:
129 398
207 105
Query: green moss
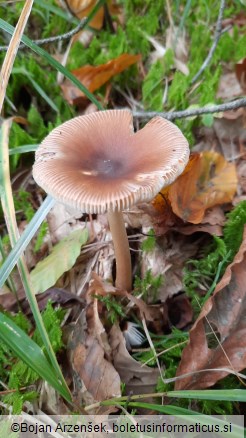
148 286
216 256
154 84
114 308
234 228
149 243
177 93
19 375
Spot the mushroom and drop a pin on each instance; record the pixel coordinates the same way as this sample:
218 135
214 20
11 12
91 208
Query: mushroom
96 164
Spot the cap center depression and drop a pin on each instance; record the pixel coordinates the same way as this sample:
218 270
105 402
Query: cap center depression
101 165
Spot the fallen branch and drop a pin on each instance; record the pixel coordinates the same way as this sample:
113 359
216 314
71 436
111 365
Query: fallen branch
218 33
171 115
61 37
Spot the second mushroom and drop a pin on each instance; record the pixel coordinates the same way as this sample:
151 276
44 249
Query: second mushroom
97 164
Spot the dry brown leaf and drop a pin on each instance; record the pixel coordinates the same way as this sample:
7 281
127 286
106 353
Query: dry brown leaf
211 181
231 134
165 220
56 295
240 68
95 378
82 8
62 221
229 88
207 181
94 77
225 312
139 379
160 323
238 20
212 223
161 201
241 170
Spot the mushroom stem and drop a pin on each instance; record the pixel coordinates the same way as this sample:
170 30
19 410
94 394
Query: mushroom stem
121 249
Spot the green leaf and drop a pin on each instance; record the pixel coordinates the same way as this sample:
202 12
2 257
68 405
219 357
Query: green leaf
25 238
62 258
27 350
208 120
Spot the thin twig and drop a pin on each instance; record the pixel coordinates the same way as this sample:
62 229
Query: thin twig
218 34
171 115
61 37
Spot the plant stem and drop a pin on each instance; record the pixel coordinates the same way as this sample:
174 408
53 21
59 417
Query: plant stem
121 249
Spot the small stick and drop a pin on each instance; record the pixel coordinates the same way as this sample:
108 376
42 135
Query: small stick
61 37
171 115
218 34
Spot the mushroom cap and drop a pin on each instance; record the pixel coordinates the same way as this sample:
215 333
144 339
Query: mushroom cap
96 163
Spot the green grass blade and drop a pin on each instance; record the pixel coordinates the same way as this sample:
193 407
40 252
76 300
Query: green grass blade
211 394
181 413
53 62
10 219
57 11
25 238
194 417
43 94
28 351
10 281
23 149
205 394
36 86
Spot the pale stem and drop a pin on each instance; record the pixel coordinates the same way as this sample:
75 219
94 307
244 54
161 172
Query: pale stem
122 250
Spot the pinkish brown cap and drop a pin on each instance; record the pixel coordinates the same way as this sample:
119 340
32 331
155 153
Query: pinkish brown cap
96 163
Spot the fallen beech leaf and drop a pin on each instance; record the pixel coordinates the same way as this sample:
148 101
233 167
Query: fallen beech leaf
82 8
207 181
161 201
225 311
231 135
229 87
238 20
212 223
56 295
94 77
95 378
160 323
139 379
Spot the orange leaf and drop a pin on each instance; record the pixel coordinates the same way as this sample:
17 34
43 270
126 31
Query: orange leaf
94 77
208 180
82 8
161 201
